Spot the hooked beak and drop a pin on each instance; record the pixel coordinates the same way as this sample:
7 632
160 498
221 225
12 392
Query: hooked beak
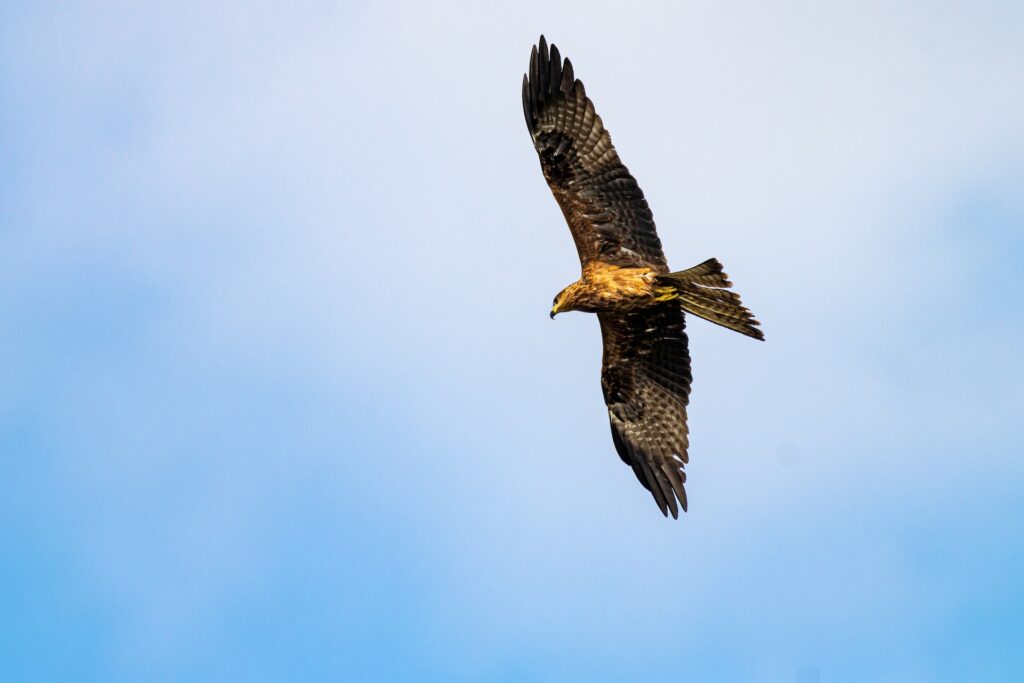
553 311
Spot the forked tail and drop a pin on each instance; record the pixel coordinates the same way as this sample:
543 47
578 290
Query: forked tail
703 291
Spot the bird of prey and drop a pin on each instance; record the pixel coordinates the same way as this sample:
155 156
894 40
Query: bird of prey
639 302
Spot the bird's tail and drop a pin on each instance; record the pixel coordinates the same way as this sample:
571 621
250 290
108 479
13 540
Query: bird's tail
703 291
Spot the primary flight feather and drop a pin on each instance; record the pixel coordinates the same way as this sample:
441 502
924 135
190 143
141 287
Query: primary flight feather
640 304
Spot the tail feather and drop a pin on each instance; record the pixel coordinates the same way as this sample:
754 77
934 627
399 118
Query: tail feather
702 291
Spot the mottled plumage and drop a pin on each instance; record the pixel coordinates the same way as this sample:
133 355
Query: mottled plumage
646 368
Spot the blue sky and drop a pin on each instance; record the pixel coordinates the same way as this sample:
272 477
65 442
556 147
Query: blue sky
280 398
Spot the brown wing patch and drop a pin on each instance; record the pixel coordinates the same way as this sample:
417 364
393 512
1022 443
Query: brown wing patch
604 206
646 381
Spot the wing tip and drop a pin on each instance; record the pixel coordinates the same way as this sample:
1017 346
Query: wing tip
549 75
527 105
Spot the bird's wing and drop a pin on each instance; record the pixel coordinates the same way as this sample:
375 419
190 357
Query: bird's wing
605 208
646 382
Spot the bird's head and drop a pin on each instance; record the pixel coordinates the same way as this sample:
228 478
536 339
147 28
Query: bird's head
565 300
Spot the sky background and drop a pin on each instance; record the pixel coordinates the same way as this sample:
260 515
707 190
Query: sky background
280 398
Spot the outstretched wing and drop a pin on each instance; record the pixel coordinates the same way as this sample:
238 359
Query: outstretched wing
605 208
646 382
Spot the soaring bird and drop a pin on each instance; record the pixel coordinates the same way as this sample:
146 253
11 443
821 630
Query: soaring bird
626 281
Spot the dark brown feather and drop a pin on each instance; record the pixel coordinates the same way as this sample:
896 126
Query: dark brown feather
603 204
646 382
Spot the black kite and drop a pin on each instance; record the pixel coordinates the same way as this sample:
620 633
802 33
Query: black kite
626 281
